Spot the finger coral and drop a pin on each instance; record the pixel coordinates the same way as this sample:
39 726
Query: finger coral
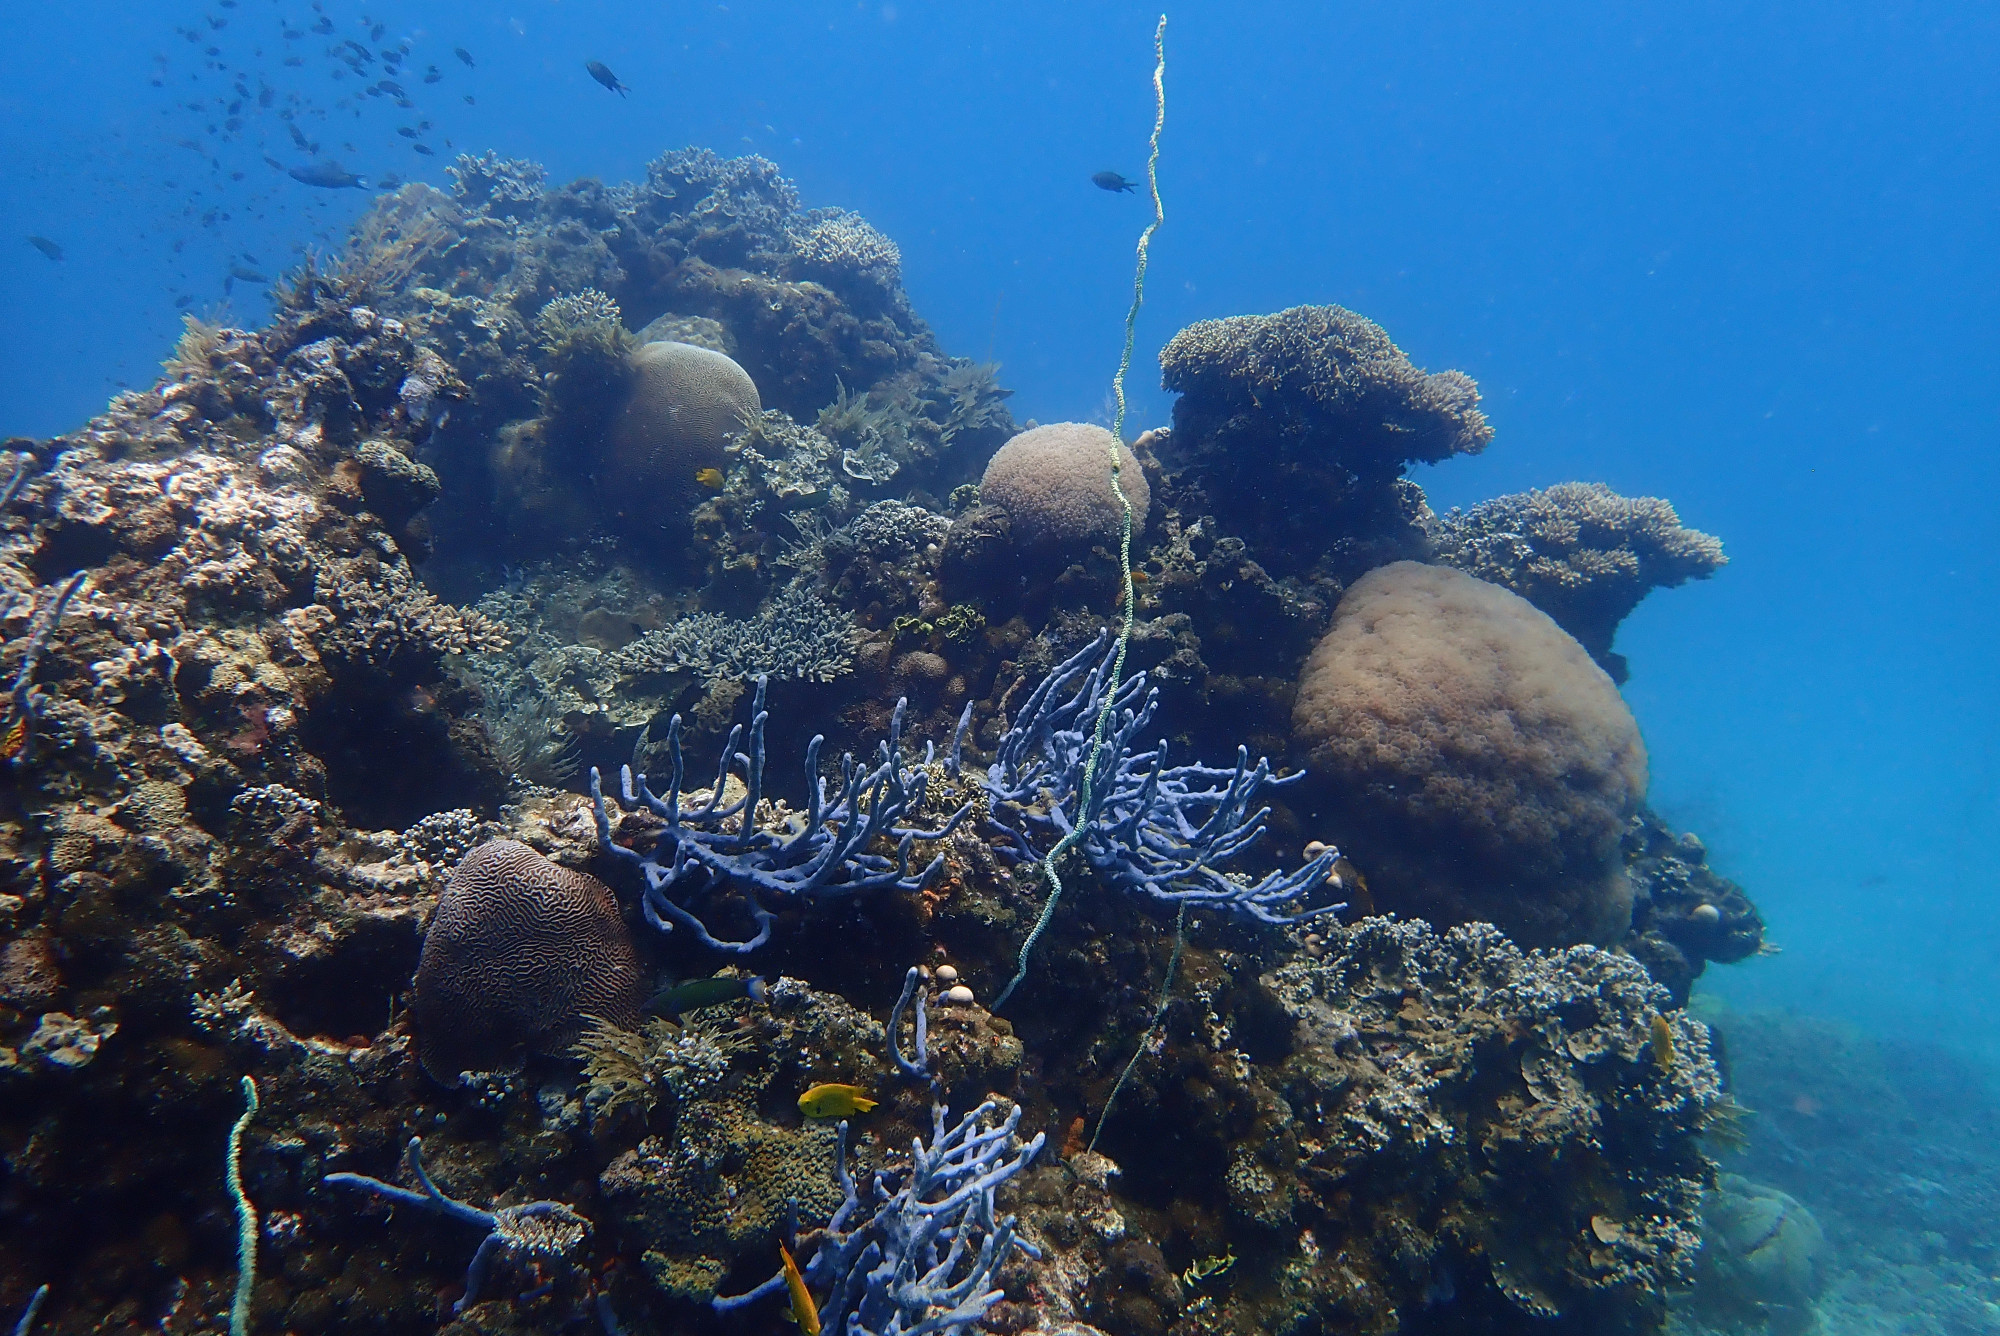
1476 763
520 953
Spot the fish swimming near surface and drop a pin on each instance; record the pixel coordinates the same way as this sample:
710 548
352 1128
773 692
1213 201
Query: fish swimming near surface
1113 182
698 993
601 72
1662 1040
804 1312
46 247
834 1101
710 478
327 176
464 55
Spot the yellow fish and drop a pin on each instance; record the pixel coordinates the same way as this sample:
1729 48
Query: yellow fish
709 478
834 1101
803 1311
1663 1042
16 740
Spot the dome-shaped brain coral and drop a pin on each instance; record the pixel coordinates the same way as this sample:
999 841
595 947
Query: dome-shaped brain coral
686 404
1479 766
1054 482
520 951
1326 371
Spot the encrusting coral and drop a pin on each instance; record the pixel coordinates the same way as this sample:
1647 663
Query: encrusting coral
1480 765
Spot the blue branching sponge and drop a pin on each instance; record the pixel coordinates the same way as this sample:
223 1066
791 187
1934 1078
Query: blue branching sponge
1163 831
536 1233
713 846
915 1250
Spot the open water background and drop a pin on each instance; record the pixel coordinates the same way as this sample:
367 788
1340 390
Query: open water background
1745 256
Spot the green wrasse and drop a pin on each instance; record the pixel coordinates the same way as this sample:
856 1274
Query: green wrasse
698 993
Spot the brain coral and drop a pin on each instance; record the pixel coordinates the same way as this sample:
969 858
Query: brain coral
686 404
1326 371
520 951
1054 482
1480 767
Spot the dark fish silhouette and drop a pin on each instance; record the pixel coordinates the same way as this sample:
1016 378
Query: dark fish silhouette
327 176
463 55
431 74
325 25
425 149
46 247
601 72
375 33
406 132
247 275
1112 181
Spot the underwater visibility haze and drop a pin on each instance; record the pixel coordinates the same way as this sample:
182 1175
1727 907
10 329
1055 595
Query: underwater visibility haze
1038 670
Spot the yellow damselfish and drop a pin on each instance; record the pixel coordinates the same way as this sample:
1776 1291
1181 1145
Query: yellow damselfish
1663 1042
834 1101
804 1311
709 478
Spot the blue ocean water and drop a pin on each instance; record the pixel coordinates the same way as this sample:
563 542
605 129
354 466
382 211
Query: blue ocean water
1745 257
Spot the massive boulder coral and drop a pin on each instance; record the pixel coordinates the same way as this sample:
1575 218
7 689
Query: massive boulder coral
1054 483
1474 761
1581 553
1293 430
687 403
520 952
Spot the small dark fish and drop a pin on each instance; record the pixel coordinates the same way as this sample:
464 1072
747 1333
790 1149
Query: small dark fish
388 181
247 275
1112 181
390 86
406 132
294 61
468 100
274 162
431 75
375 33
327 176
266 96
324 26
463 55
299 138
425 149
699 993
214 22
601 72
46 247
183 300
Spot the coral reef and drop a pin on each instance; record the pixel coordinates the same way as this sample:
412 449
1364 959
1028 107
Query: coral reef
1481 767
1581 553
519 953
308 641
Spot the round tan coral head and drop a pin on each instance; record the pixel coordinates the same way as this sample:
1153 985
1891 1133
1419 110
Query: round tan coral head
1054 482
669 443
